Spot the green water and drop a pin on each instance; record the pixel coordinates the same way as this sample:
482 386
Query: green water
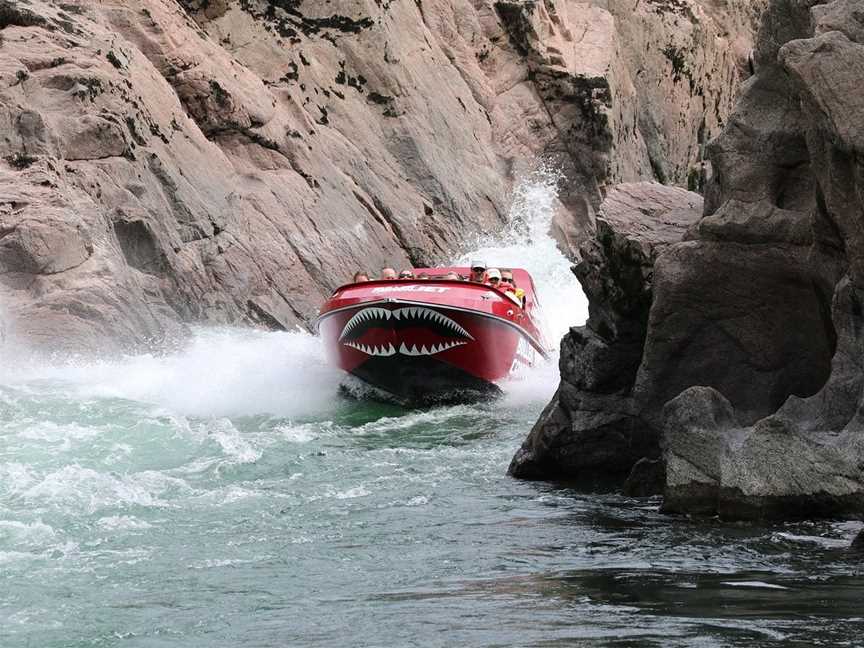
225 495
228 496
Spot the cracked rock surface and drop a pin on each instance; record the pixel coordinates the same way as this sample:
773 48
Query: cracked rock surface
232 161
749 381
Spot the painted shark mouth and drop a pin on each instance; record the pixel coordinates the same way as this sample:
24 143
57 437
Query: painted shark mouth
379 332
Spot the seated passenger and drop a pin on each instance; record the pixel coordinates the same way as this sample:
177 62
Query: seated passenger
360 276
388 274
511 291
493 277
453 276
424 276
478 272
406 274
507 275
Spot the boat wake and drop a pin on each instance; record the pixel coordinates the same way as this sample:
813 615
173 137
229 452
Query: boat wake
241 372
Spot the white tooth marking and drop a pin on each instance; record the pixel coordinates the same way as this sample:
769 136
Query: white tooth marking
365 315
418 313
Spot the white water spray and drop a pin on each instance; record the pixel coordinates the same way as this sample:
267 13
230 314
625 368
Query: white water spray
236 372
526 243
222 372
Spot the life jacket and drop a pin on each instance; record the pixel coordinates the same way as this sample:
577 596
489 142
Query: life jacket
511 291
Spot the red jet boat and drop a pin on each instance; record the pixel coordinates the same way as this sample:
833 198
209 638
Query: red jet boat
432 340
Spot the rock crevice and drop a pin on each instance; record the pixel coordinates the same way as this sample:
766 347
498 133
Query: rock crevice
212 153
750 379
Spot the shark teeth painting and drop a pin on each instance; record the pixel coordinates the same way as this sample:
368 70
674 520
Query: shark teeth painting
449 333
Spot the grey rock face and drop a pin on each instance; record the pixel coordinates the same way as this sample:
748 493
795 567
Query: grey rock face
647 478
233 161
751 370
753 326
594 430
771 470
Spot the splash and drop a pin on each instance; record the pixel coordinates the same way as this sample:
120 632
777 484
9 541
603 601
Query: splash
221 373
526 243
241 372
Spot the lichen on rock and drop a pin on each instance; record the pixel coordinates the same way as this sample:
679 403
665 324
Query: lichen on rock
232 161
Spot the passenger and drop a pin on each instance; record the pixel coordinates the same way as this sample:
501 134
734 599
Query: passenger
360 276
424 276
507 287
388 274
493 277
406 274
478 272
508 283
452 276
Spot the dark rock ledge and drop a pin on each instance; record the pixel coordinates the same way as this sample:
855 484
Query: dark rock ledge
732 356
595 430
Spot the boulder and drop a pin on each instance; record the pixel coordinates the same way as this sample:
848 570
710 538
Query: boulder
594 430
695 427
750 370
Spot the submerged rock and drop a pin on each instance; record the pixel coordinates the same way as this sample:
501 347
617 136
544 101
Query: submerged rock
647 478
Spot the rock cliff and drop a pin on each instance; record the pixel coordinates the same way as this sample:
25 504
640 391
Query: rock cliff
595 429
749 384
171 161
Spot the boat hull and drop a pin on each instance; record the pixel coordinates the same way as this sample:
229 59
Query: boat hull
421 381
422 351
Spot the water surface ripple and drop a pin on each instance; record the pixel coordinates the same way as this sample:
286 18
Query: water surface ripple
128 521
225 495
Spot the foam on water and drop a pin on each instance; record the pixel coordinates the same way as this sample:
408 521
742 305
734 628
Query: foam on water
222 372
236 372
122 522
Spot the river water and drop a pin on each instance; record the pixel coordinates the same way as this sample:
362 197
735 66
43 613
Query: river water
227 495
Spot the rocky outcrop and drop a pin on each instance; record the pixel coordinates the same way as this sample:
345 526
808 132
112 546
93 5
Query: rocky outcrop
232 161
751 370
594 430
